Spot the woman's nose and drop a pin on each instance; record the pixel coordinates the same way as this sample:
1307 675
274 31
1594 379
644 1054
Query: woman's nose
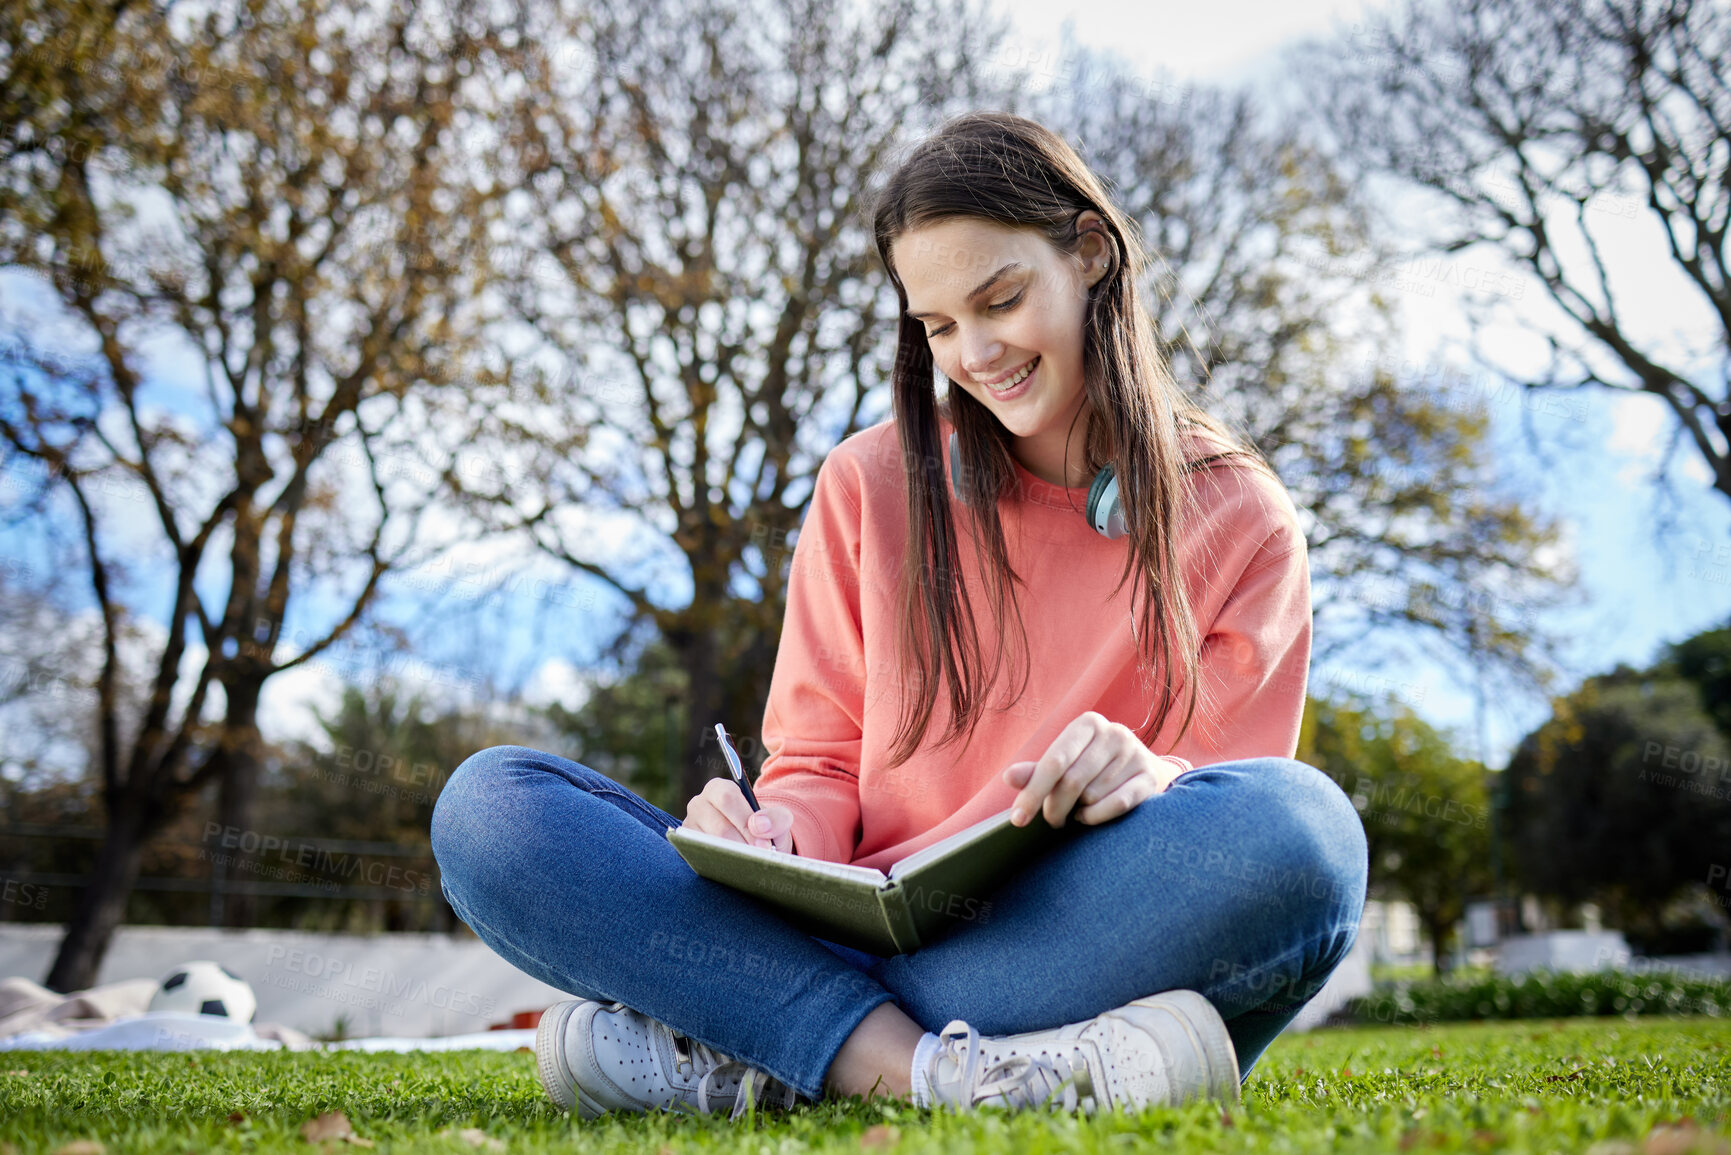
980 356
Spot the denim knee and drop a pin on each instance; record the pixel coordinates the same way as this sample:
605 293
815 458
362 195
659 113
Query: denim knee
1314 834
460 830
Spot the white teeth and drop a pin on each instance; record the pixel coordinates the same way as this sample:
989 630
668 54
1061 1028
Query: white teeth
1016 380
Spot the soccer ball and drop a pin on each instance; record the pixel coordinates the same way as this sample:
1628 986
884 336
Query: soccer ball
205 988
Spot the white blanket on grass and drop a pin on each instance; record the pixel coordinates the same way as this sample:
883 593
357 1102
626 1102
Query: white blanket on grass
113 1017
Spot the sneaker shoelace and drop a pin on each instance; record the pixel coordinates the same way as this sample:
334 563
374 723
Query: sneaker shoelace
1018 1080
717 1068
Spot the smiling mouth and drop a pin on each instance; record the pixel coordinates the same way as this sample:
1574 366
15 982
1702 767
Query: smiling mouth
1015 378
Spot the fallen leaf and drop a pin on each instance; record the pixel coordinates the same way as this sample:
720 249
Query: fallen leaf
1226 1119
1685 1137
332 1125
236 1118
81 1147
1346 1071
879 1135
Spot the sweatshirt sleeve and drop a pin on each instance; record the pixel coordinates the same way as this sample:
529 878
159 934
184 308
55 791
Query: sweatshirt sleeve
813 720
1254 662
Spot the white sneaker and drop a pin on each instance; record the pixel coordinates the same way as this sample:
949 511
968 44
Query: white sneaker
595 1057
1164 1049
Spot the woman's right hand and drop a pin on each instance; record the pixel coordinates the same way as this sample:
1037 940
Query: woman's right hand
722 810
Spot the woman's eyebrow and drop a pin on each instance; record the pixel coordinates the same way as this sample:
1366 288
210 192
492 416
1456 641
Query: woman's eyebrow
982 287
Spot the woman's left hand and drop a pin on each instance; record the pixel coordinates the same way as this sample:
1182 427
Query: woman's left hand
1094 761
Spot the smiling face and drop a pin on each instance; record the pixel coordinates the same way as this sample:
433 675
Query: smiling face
1003 310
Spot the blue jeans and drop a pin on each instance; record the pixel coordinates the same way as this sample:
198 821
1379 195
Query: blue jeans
1244 881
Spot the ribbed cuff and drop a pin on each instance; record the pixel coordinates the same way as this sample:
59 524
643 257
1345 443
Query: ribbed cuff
811 838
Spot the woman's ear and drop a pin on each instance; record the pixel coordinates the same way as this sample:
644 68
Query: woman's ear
1095 247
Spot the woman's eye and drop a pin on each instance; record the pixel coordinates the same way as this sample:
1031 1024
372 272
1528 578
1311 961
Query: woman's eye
999 307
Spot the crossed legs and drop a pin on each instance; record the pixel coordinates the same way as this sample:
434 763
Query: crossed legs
1243 881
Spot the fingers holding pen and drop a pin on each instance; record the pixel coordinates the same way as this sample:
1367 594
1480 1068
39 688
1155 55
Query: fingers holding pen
711 810
772 826
720 809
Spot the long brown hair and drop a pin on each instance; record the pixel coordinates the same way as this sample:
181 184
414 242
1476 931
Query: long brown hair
1012 171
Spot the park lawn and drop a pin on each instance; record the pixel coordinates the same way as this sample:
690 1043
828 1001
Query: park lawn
1648 1086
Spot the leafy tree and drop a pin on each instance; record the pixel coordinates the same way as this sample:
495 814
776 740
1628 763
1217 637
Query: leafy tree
279 194
1426 811
1622 798
692 257
1705 661
1541 128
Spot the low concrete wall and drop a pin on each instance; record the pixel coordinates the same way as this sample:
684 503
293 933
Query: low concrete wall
414 985
1563 950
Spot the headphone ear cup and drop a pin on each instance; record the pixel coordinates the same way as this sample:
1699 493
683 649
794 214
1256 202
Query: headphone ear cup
1105 511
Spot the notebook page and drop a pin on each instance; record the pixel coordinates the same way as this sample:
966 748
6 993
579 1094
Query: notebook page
961 838
816 866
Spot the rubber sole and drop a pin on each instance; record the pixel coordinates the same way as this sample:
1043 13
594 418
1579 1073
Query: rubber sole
1208 1031
556 1078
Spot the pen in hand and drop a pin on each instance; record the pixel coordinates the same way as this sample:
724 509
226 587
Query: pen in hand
737 770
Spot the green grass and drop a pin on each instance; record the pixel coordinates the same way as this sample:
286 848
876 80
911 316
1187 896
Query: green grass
1402 972
1537 1085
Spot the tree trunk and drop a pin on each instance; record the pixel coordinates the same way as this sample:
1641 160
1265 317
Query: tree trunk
239 793
103 903
701 755
1438 932
747 687
725 683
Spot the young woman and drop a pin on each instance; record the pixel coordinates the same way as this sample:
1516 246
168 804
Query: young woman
1149 959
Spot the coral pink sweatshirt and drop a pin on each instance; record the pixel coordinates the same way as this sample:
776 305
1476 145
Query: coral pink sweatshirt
832 708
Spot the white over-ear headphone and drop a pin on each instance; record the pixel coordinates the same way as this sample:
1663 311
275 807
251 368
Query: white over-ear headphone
1104 510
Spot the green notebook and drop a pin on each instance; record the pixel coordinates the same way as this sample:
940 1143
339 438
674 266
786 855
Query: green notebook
947 884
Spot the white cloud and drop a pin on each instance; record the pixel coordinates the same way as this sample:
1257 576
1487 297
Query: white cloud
1641 426
285 707
1200 42
556 680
